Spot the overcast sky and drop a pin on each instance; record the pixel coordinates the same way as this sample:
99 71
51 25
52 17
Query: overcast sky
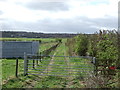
54 16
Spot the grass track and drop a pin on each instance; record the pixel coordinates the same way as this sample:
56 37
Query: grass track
57 72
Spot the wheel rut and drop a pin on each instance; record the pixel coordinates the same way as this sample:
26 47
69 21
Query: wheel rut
32 83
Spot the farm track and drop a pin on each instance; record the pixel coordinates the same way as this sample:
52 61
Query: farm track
70 80
60 60
49 68
31 83
59 72
59 51
69 83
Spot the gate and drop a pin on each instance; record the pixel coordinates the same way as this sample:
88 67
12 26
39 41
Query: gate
64 66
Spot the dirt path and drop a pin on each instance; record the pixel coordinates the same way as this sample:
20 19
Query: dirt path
67 60
49 68
31 83
71 80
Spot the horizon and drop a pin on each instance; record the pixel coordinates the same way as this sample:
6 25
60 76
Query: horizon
53 32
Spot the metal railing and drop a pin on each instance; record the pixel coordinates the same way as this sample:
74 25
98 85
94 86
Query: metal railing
64 66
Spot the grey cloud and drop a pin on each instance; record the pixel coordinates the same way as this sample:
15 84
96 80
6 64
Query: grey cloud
54 26
5 26
68 26
78 24
52 6
109 21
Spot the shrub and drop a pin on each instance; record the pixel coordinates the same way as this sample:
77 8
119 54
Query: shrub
81 45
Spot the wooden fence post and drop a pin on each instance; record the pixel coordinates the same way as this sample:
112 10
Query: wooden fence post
25 64
16 73
40 57
33 63
36 61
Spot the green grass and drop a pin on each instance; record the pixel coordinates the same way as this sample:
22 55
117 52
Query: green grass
20 82
8 68
52 82
28 39
60 61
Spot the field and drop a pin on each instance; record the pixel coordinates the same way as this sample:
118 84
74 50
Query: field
27 39
49 81
60 70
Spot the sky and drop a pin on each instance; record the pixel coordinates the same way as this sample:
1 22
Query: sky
58 16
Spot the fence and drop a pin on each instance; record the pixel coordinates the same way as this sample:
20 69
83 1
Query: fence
64 66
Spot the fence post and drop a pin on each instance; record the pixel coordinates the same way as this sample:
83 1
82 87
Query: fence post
95 65
37 62
33 63
25 64
40 57
16 73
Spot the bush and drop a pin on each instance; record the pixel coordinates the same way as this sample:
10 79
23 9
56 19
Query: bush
78 45
81 45
105 46
58 40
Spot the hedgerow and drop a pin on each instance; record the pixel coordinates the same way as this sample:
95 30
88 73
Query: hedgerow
103 45
78 45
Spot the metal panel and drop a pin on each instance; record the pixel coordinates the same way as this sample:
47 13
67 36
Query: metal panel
35 47
13 49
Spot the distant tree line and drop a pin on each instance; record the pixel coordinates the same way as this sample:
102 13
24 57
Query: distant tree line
16 34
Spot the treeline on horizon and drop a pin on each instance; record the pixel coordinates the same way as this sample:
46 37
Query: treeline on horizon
20 34
23 34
